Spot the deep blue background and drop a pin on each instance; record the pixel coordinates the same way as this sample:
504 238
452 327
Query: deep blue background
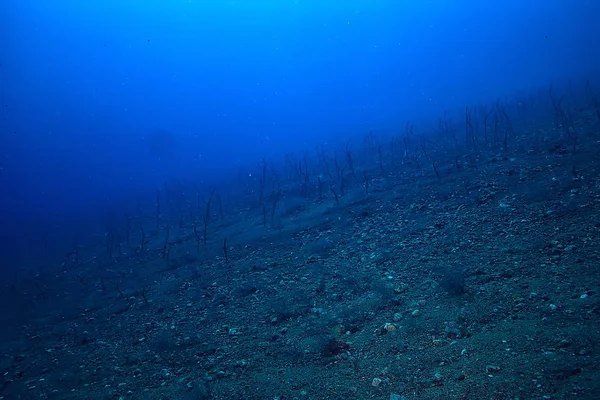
104 100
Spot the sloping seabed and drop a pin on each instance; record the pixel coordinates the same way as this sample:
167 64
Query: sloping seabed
481 283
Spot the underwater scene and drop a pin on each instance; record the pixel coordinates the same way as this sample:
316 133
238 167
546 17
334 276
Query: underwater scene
299 199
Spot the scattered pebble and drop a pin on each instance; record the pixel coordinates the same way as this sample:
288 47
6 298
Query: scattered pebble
234 332
492 369
389 327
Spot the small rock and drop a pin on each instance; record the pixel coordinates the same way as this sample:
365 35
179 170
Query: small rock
460 377
234 332
403 287
492 369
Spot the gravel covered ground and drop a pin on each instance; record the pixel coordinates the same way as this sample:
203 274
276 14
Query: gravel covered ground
482 284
